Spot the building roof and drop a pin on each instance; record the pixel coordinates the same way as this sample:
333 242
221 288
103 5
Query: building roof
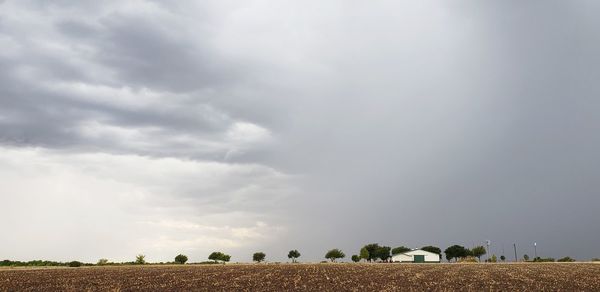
420 250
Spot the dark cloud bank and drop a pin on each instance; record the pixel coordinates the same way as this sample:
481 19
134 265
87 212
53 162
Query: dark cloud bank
309 125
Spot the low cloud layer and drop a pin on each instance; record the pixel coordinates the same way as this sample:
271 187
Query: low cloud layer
162 127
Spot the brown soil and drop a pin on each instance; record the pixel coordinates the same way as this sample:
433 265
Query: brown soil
309 277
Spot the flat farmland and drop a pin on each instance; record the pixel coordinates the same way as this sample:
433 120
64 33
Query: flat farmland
308 277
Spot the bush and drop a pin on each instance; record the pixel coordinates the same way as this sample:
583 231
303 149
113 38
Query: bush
75 264
566 260
493 259
204 263
596 260
543 260
468 259
140 259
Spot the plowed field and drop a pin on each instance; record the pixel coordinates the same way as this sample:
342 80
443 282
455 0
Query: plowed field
309 277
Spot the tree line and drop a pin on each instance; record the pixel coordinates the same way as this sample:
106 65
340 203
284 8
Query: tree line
369 253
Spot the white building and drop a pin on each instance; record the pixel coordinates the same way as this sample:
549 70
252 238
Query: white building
416 256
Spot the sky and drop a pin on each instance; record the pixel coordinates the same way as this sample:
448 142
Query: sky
167 127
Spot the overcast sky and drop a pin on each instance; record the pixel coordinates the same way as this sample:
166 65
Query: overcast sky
167 127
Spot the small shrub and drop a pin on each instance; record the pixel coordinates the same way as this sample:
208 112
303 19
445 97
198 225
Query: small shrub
566 260
493 259
596 260
75 264
543 260
102 262
468 259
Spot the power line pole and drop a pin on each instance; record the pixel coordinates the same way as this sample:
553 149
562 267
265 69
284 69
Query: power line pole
515 247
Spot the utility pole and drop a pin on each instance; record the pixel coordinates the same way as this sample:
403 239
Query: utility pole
488 243
515 247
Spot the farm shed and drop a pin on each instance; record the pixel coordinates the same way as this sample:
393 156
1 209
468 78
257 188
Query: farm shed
416 256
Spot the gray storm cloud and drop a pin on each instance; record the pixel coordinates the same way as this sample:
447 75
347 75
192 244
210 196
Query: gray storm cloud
305 125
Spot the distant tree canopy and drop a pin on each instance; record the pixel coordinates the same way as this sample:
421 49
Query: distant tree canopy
383 253
433 249
502 258
293 254
525 257
355 258
140 259
219 256
181 259
258 257
364 253
400 249
478 251
456 252
566 259
40 263
102 262
373 251
335 254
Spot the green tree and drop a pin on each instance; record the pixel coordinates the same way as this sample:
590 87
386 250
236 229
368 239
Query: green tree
433 249
355 258
293 254
335 254
181 259
456 252
215 256
364 253
102 262
478 251
502 258
493 259
383 253
140 259
219 256
258 257
226 258
525 257
400 249
372 250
